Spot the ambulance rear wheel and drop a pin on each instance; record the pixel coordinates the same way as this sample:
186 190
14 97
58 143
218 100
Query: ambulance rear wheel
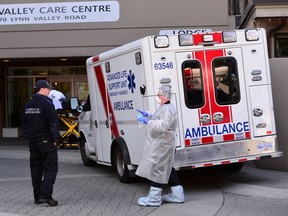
86 161
120 166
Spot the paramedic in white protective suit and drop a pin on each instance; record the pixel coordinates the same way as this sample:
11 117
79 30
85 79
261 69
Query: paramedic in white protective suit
57 98
158 155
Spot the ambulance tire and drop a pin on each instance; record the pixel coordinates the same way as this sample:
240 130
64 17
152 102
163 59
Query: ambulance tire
86 161
119 165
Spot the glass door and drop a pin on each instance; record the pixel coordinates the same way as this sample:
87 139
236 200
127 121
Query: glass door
81 89
71 86
62 84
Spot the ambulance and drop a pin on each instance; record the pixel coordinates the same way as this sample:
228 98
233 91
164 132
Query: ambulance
221 89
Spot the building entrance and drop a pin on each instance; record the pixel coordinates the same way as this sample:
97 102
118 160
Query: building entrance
70 80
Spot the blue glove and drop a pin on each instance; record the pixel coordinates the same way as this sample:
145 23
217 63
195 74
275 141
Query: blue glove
143 120
145 114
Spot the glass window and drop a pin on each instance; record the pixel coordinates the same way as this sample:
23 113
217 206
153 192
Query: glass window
193 85
67 71
18 93
55 71
281 45
82 91
26 71
226 81
74 71
63 86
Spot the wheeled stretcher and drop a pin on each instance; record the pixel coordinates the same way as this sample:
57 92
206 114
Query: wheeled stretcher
70 120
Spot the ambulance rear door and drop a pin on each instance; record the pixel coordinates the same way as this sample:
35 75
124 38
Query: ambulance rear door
213 96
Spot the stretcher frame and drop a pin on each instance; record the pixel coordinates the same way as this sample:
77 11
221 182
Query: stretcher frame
70 120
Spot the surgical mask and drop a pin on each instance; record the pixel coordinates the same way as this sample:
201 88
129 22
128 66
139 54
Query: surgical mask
158 100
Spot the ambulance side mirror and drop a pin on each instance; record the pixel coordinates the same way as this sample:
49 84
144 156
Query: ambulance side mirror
142 89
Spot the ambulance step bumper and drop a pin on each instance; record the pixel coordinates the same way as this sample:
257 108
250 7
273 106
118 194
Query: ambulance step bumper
235 160
225 153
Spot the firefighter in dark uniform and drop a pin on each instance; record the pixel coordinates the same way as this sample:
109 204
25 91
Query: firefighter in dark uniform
40 125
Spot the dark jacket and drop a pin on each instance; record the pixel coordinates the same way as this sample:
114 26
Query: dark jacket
40 121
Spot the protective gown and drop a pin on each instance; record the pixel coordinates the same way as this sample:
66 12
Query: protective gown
57 98
158 155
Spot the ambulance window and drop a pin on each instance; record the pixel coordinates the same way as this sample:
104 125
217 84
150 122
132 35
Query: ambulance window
192 83
226 81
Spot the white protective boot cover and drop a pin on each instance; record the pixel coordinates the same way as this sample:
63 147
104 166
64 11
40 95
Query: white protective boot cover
153 198
177 195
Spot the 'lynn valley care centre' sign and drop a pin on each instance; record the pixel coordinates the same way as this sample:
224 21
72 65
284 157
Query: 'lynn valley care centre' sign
65 12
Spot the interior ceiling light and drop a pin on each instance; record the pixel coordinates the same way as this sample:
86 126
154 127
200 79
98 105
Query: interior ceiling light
6 60
63 59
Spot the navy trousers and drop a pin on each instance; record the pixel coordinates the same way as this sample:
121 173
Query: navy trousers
44 168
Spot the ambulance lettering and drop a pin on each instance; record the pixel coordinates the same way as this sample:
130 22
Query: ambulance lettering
123 105
264 146
216 130
163 65
117 75
119 83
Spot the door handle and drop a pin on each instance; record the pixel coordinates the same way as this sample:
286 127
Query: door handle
107 123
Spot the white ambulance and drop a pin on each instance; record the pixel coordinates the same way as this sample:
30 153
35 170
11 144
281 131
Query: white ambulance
221 89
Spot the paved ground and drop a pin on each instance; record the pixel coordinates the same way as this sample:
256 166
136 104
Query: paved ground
97 191
79 190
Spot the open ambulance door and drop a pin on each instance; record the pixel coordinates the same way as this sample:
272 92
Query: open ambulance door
90 147
103 119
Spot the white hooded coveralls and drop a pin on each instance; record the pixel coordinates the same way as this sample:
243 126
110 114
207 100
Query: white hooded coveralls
158 155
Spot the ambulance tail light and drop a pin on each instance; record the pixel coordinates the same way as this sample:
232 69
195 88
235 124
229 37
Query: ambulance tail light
161 41
252 35
229 36
185 40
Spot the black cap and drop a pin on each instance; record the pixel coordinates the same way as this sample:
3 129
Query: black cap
42 84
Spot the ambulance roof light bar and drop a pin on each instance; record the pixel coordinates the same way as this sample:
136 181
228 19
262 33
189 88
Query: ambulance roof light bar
252 35
229 36
185 39
208 40
161 41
